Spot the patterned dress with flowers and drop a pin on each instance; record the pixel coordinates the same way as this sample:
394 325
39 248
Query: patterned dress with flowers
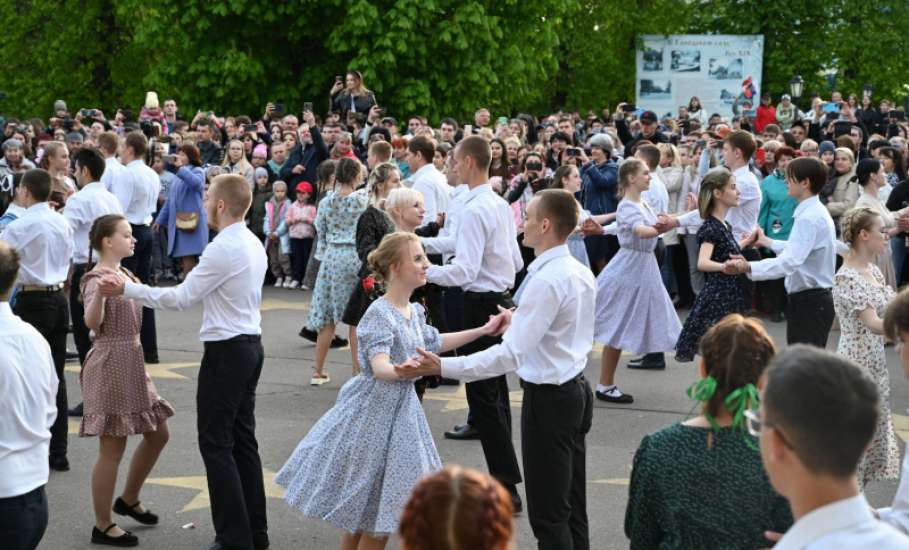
336 223
852 294
372 227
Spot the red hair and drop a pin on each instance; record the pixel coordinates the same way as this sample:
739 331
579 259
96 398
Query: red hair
457 509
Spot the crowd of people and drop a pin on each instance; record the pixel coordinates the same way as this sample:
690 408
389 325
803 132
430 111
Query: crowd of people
461 253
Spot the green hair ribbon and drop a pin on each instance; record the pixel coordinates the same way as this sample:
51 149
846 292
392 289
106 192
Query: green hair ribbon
737 402
702 391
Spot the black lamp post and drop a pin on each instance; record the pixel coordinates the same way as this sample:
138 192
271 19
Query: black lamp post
866 91
796 86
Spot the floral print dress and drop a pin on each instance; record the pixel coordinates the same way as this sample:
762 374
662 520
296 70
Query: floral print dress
852 294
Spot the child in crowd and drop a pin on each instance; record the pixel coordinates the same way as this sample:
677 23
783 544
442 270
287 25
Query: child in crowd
261 194
300 217
277 244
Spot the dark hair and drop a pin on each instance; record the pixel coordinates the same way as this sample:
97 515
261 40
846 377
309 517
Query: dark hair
422 146
560 174
785 151
137 142
476 148
896 318
825 406
192 153
736 352
896 156
561 208
808 168
9 267
865 169
650 154
348 171
102 228
38 183
451 122
560 136
743 141
89 157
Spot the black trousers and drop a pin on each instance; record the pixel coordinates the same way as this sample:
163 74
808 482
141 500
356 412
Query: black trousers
490 408
772 293
140 264
809 317
299 256
226 403
554 424
77 313
49 314
23 520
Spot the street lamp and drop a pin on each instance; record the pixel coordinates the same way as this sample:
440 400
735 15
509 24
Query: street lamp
866 91
796 85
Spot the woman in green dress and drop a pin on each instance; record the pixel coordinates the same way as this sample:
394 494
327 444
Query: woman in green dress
700 484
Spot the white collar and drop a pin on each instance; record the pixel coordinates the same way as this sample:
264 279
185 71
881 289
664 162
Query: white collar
805 205
836 516
546 257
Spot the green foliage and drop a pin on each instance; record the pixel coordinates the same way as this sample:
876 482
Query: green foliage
434 57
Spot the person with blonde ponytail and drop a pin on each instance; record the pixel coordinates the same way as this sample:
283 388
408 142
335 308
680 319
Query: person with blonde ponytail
860 296
357 466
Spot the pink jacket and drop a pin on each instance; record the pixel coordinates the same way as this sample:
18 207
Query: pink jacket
300 219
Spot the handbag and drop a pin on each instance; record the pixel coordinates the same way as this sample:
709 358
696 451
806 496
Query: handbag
187 221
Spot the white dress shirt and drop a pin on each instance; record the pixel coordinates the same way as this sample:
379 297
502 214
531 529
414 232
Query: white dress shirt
897 515
433 185
228 281
112 171
82 209
486 256
657 196
137 187
44 241
28 391
551 332
847 523
444 242
743 218
808 259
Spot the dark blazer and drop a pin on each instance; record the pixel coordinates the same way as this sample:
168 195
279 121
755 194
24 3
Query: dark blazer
310 157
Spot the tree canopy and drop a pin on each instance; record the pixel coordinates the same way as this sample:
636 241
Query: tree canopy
432 57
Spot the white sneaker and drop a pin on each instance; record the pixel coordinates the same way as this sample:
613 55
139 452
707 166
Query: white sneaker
279 282
288 283
293 284
304 287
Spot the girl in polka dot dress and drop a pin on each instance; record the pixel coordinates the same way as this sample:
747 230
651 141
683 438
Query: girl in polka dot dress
120 398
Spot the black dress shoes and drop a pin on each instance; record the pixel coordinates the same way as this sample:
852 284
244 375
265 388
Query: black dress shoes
125 540
75 411
257 544
311 335
59 463
152 359
651 361
623 399
517 506
124 509
463 432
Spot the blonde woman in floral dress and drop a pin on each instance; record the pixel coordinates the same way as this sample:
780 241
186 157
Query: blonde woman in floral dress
860 296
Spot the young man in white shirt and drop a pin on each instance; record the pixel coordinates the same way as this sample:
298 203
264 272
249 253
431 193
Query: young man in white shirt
547 344
44 241
427 179
818 414
896 327
228 282
108 144
807 260
28 389
137 187
486 259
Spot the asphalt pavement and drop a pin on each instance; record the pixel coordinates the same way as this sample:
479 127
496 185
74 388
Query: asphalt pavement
287 407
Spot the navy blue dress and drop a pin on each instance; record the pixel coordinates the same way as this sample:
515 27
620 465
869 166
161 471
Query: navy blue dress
722 294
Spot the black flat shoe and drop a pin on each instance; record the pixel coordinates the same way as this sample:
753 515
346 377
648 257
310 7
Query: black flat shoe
125 540
308 334
59 463
124 509
624 399
648 365
463 433
152 359
338 342
75 411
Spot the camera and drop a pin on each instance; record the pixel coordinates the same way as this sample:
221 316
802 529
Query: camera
573 152
534 166
307 106
147 128
278 109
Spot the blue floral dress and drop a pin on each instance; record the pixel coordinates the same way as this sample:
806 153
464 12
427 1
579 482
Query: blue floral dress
336 230
358 464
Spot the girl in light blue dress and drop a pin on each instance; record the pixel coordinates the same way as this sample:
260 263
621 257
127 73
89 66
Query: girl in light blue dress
357 466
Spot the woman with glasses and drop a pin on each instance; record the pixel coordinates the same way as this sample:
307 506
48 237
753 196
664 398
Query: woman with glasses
683 475
860 295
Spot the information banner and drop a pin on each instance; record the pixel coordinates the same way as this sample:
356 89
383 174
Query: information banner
721 70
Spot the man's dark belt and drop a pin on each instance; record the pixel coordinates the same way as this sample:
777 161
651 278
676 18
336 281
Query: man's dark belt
40 288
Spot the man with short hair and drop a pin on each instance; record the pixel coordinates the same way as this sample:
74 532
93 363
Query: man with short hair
278 156
448 130
486 260
331 131
379 152
818 414
649 131
547 345
14 160
304 159
170 114
566 126
427 179
807 260
228 282
209 151
137 188
108 144
413 125
290 123
44 241
481 118
28 386
86 205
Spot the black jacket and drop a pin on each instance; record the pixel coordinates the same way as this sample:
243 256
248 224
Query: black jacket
340 103
310 158
210 152
631 141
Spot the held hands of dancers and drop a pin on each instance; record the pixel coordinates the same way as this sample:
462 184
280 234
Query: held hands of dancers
665 223
736 265
590 227
425 363
112 283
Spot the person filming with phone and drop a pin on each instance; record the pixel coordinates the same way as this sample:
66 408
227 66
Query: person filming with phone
349 94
